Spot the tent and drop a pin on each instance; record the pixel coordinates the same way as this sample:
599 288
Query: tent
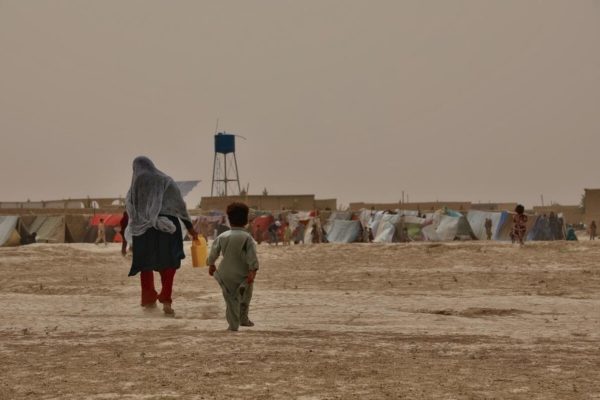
260 225
505 226
335 216
384 227
76 228
448 225
9 234
414 228
112 224
544 229
206 224
540 229
49 229
388 227
342 231
477 219
295 218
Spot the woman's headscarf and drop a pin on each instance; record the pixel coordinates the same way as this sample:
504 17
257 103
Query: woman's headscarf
152 193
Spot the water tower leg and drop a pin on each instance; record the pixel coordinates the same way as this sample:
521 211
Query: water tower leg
212 188
237 174
225 177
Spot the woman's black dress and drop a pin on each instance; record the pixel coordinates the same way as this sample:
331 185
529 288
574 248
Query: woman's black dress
156 250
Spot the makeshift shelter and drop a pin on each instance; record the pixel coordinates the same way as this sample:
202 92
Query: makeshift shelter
9 234
76 228
112 225
505 226
384 227
295 218
206 225
342 231
308 231
336 216
260 226
387 227
540 230
448 225
49 229
413 226
477 221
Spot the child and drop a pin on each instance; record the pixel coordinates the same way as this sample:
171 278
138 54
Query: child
287 235
238 267
519 225
101 232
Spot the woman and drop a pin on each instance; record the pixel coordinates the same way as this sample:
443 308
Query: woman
155 206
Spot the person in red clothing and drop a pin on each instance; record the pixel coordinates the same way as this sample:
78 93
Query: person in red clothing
154 208
519 225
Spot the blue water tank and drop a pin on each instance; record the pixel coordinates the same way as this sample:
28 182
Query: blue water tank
224 143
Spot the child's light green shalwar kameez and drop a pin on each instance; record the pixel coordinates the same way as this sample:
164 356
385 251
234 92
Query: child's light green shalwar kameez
239 257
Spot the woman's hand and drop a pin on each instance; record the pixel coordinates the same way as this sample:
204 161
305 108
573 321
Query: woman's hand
193 234
211 270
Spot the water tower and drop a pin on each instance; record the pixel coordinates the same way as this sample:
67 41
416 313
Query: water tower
226 178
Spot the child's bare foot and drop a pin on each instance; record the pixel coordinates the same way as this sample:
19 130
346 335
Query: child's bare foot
168 310
230 329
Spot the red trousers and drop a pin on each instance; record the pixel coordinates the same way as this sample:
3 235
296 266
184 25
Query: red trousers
149 294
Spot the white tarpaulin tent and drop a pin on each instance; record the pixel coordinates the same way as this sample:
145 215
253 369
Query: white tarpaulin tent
336 215
49 229
9 235
448 225
386 228
342 231
477 219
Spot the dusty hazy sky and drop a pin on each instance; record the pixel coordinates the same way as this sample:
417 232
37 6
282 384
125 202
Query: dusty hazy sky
454 100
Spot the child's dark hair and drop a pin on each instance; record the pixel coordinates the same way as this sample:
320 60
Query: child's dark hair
520 209
238 214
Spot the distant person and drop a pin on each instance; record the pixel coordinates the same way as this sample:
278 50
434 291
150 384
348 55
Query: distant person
314 234
237 268
287 235
365 234
299 233
319 229
519 225
222 226
29 239
593 230
123 223
101 237
561 229
155 207
403 237
273 232
571 235
488 228
546 232
553 226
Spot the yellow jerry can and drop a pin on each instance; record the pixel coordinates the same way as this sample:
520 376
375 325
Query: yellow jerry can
199 252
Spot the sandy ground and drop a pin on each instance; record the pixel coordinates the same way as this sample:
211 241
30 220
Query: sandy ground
419 321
